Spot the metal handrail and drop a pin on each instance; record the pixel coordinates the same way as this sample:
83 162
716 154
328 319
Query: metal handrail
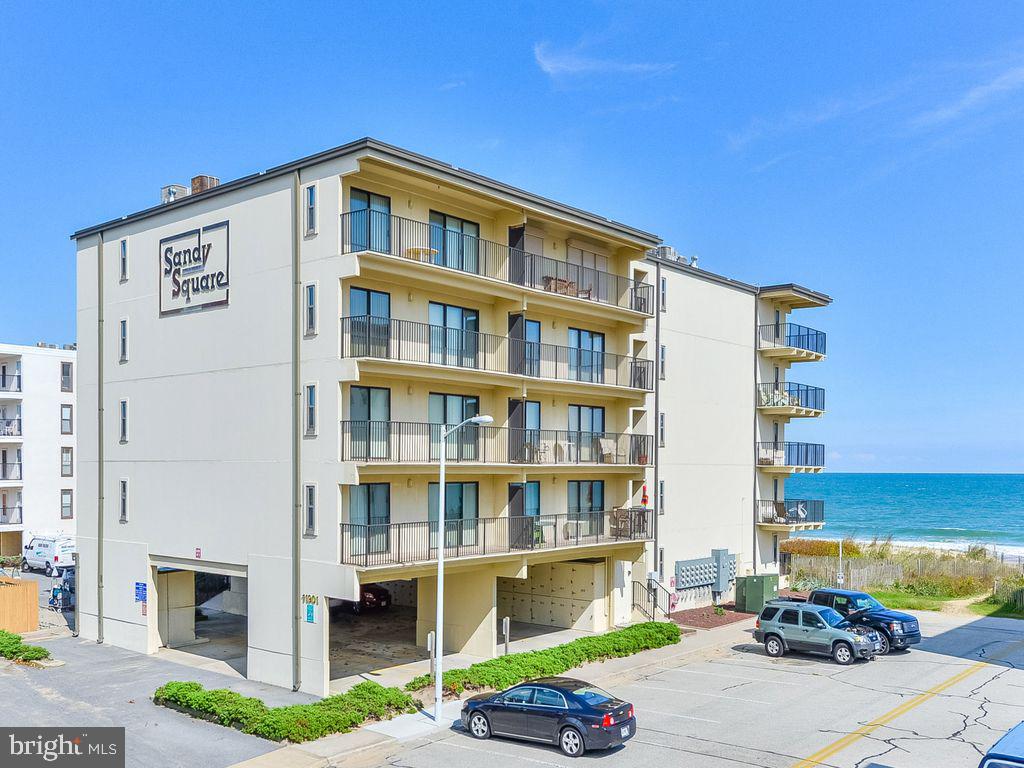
790 394
10 515
11 382
10 471
791 335
420 443
788 454
410 341
385 544
791 511
10 427
382 232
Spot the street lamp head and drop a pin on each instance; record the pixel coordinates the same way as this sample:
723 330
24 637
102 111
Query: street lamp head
482 420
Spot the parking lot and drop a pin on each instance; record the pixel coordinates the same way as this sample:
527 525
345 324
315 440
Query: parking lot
941 704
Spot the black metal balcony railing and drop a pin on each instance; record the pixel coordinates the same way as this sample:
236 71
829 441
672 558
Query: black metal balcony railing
10 428
404 543
10 515
381 232
10 471
790 454
409 341
10 382
419 443
791 335
790 511
786 394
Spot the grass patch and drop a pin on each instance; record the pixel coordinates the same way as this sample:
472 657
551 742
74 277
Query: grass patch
992 606
296 723
506 671
12 648
905 601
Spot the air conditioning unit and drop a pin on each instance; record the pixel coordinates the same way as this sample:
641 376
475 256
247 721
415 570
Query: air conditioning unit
666 252
173 192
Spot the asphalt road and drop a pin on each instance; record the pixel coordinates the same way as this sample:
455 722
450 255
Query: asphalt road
942 704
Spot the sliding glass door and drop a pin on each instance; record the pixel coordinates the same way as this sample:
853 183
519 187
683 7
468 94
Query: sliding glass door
370 221
369 423
461 513
586 355
455 242
584 505
369 512
454 335
370 319
586 433
446 411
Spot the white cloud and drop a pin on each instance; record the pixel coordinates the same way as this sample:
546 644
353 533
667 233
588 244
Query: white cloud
451 85
574 62
973 99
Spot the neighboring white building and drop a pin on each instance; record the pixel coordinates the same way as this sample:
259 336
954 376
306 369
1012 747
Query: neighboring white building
266 366
38 426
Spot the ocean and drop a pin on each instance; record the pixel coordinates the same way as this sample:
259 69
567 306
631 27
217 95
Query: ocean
939 510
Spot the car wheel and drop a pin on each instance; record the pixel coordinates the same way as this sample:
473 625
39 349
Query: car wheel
479 728
24 565
571 742
357 608
883 640
773 646
843 654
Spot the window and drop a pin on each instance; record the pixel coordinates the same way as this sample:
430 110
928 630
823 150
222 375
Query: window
123 500
461 512
585 505
664 293
661 430
789 616
123 417
661 497
67 511
122 341
545 697
769 613
369 515
370 222
662 355
67 462
66 379
309 502
519 696
66 427
311 309
311 209
310 410
810 619
124 260
455 242
821 598
586 355
454 335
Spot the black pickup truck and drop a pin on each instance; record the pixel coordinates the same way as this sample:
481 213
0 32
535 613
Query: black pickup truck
895 630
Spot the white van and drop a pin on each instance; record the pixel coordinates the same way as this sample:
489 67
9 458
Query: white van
51 553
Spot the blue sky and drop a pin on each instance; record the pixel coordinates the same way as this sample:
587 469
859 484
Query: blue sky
873 152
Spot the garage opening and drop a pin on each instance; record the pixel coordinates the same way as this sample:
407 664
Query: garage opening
204 615
375 633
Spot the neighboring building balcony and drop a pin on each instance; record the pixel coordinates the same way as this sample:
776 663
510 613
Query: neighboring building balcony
374 443
10 515
787 458
433 247
791 514
785 398
10 472
791 342
10 383
490 357
10 428
397 544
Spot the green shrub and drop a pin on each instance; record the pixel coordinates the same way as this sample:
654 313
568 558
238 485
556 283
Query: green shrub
821 547
12 648
940 586
505 671
296 723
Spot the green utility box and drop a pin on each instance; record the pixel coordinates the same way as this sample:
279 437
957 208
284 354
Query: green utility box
752 592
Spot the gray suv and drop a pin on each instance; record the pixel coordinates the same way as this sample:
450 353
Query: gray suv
786 625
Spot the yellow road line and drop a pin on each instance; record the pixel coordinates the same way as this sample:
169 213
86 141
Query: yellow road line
819 757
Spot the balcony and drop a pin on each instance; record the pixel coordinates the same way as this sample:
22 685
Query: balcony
787 458
406 341
367 231
791 514
10 515
410 443
791 342
785 398
10 383
394 544
10 471
10 428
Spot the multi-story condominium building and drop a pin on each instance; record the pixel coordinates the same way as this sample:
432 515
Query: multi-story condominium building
37 443
271 369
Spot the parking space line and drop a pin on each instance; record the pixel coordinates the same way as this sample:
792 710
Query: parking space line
701 693
732 677
503 754
674 714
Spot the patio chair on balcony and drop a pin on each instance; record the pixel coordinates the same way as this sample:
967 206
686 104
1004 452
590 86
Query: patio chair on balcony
781 515
609 451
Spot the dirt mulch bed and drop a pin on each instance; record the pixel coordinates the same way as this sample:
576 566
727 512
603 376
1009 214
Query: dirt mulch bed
706 618
788 593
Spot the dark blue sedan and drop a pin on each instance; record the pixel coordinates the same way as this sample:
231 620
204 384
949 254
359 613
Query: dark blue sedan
575 715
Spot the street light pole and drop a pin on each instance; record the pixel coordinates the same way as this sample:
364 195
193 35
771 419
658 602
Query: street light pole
439 628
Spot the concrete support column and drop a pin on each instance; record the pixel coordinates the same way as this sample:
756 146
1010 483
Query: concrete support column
470 608
176 620
236 599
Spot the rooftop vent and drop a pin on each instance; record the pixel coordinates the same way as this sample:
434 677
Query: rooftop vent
172 192
70 347
203 183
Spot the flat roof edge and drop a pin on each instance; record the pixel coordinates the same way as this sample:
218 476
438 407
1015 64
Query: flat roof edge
704 274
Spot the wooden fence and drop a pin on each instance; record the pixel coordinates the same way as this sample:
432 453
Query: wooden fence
19 605
1010 593
863 573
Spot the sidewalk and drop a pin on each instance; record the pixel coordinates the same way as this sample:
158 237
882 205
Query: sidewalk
374 743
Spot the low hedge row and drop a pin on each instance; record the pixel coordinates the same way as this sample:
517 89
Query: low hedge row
504 671
296 723
12 648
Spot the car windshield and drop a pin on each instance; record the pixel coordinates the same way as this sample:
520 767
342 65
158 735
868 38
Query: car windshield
593 696
832 617
865 602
